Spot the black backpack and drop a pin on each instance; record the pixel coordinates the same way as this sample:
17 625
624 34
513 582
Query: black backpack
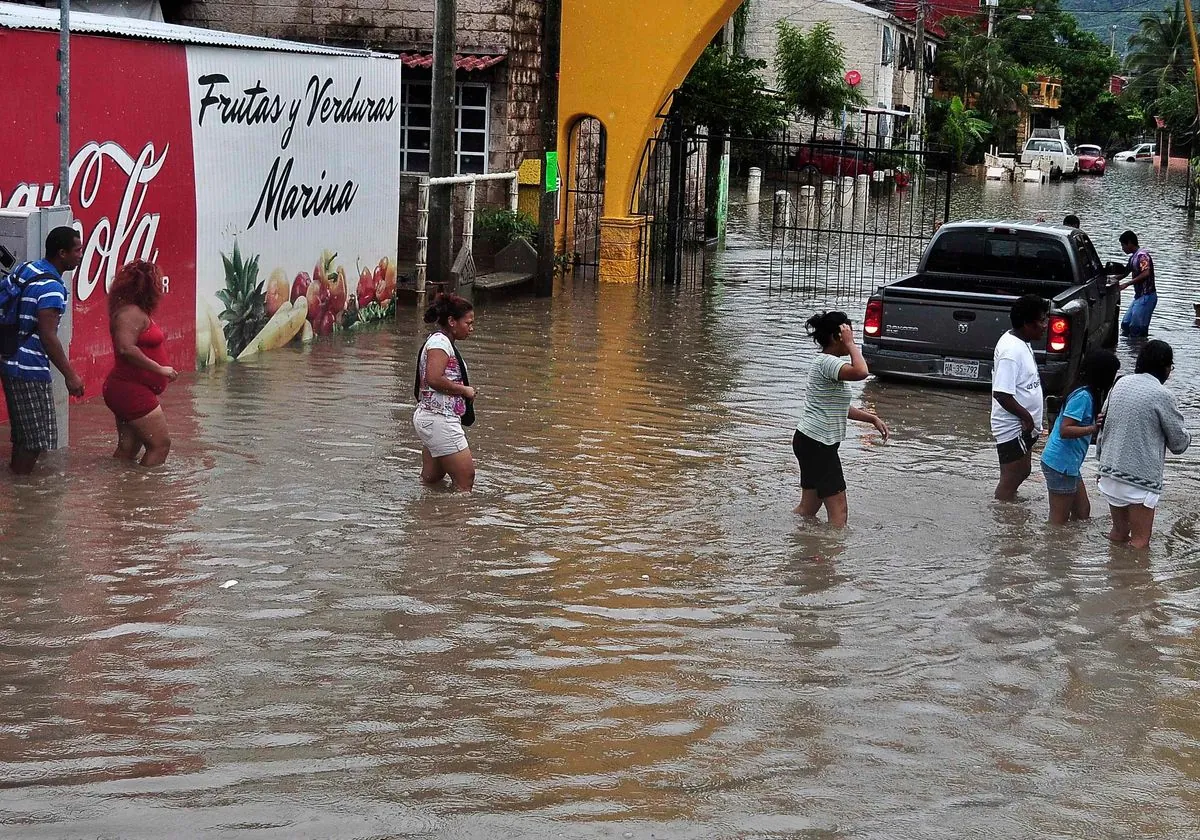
12 289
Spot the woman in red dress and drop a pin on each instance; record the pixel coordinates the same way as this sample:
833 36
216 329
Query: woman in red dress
140 371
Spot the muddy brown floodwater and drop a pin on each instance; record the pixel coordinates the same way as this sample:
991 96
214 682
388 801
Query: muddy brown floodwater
625 632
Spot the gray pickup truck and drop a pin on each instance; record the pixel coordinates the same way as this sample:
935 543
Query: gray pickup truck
942 323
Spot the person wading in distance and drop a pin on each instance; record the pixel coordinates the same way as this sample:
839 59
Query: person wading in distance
444 397
1145 293
822 427
28 392
1017 393
140 370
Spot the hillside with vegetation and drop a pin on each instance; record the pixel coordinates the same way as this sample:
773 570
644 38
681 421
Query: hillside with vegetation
1098 16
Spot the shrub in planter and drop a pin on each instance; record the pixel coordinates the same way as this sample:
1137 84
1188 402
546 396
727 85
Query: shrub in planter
499 227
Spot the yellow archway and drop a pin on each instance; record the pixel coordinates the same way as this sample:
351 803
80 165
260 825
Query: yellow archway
620 63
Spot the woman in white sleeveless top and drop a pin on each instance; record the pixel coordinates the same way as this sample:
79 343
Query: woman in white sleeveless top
444 396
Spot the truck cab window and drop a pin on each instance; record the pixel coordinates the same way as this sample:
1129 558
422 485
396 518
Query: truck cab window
999 255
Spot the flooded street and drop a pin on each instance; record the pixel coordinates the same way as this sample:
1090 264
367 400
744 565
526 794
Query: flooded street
625 632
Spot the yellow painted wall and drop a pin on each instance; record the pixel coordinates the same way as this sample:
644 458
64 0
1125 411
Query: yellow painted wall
620 62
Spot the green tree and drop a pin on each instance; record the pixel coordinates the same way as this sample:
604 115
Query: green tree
988 73
962 60
961 130
725 92
1176 105
811 69
1160 53
982 73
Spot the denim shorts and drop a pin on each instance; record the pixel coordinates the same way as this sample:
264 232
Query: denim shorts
1060 483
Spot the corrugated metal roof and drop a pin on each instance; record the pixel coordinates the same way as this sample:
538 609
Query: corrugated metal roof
14 16
467 62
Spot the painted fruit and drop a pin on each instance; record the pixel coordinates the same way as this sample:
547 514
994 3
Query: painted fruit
277 291
300 285
325 325
350 316
385 281
337 290
318 301
366 288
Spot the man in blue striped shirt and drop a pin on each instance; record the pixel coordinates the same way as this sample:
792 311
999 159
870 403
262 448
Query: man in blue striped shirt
26 374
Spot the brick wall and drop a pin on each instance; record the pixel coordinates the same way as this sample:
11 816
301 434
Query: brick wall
388 25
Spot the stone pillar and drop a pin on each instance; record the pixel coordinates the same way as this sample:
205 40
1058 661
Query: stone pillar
754 185
621 239
808 206
862 186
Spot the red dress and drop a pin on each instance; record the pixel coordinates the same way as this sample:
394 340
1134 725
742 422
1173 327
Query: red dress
131 392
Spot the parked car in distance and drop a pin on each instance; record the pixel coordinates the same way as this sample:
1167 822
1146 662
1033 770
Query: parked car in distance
1091 159
1140 152
942 323
831 159
1064 162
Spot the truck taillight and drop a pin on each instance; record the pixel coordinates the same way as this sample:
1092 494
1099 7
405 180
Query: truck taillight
1060 333
873 322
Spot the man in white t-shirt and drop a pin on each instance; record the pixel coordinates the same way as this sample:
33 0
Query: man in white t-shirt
1017 393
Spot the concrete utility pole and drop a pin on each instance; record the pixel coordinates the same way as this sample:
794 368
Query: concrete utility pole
441 151
992 4
64 101
548 107
918 117
1112 39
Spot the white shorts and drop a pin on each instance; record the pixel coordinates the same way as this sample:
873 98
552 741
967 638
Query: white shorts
441 434
1123 494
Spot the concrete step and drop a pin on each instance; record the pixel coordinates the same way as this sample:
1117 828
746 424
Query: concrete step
497 280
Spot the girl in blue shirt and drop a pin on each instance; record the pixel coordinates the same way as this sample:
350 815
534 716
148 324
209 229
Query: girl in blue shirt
1067 446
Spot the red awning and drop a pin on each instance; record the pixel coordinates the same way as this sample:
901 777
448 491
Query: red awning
466 62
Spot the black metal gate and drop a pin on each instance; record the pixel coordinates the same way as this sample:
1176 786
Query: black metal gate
672 200
845 217
586 156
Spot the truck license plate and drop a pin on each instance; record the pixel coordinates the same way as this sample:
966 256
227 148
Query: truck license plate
960 370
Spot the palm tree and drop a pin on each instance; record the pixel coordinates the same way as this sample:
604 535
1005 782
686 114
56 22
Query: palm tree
961 129
962 59
1159 52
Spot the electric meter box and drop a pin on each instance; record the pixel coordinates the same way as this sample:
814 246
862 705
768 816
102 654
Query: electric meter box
23 234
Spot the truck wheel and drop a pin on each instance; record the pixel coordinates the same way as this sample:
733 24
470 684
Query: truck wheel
1114 333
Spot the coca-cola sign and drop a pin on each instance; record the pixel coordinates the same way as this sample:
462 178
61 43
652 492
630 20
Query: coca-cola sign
114 239
132 186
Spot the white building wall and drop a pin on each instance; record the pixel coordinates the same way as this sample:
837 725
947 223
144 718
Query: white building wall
859 28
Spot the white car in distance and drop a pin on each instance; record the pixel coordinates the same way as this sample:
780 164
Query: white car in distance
1139 153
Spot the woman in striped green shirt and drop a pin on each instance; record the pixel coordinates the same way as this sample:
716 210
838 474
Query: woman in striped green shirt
822 426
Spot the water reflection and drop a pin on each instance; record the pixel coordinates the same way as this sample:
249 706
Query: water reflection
625 631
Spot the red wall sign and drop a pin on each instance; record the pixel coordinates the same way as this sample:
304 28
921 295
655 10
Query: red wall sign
132 185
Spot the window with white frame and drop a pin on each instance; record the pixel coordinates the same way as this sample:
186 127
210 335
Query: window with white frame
470 126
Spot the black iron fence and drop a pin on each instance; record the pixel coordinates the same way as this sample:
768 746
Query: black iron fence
847 217
843 216
673 198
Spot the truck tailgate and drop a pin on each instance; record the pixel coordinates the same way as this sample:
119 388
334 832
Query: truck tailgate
962 325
